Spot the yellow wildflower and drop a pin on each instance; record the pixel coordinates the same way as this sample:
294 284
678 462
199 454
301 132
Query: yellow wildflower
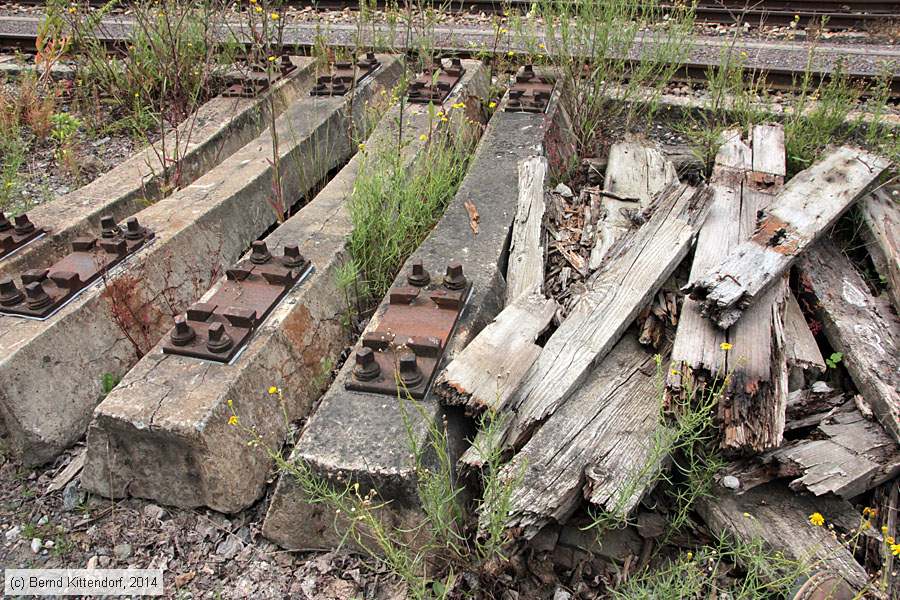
890 540
542 46
895 549
229 403
72 10
362 147
492 104
726 346
271 59
273 390
274 16
233 420
510 53
503 30
817 519
459 105
443 119
258 9
747 515
884 529
423 137
690 555
253 1
675 372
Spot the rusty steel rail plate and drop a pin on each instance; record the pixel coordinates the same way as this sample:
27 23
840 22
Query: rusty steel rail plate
436 83
530 93
405 348
221 327
341 78
17 234
253 82
47 290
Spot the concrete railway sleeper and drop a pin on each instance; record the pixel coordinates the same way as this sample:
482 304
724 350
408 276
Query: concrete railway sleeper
164 432
215 131
51 371
364 437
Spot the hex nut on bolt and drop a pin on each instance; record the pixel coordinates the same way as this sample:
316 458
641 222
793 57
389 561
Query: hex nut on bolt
133 229
366 368
292 257
418 276
37 298
410 375
259 253
219 340
4 222
24 226
454 278
10 295
108 226
183 333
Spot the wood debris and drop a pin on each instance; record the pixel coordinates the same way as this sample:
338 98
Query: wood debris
880 214
526 252
805 209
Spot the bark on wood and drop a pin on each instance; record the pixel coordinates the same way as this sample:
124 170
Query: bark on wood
805 209
526 252
847 456
862 327
779 518
635 171
596 447
615 296
881 217
487 371
751 410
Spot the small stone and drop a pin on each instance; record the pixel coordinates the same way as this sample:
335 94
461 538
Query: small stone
821 387
73 495
153 511
105 561
731 482
12 533
43 521
92 562
122 551
563 190
36 545
561 594
230 547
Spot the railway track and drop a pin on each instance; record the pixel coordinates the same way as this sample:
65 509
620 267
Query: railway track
837 13
782 63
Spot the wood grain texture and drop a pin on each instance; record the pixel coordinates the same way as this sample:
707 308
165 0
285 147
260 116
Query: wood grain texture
800 348
881 216
778 517
615 296
595 447
751 409
864 328
637 171
526 252
806 208
846 456
484 374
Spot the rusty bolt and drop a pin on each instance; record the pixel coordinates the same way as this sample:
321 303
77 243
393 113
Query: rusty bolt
418 276
259 253
219 340
108 227
454 278
183 333
10 295
292 257
7 243
37 298
528 71
366 368
133 229
4 222
410 375
24 225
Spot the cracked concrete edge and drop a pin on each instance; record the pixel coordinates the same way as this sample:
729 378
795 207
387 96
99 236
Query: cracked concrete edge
50 371
217 129
383 463
294 348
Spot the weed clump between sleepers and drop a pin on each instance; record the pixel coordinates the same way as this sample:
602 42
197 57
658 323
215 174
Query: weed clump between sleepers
590 44
393 208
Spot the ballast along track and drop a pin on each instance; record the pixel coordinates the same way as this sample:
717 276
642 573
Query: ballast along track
783 63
